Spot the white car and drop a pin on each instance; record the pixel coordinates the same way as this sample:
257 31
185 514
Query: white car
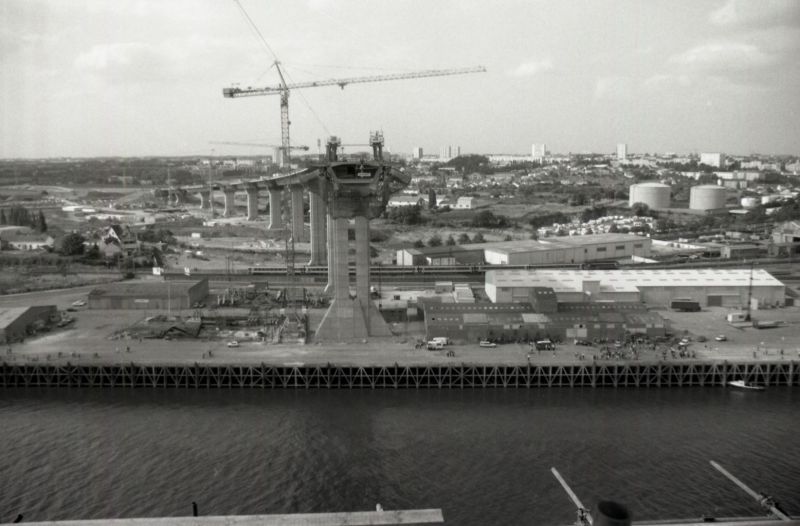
79 303
233 343
487 343
721 338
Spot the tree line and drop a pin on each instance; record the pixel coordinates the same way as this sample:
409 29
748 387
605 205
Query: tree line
21 216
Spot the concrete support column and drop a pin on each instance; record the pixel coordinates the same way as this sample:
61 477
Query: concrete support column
319 242
331 248
341 274
275 217
362 267
362 259
230 203
205 199
298 225
252 203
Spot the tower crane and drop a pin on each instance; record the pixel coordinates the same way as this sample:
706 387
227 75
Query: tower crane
276 147
283 90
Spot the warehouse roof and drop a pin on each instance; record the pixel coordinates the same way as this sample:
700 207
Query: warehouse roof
140 289
620 280
10 314
554 243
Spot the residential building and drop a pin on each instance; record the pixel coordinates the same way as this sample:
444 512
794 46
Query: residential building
465 203
622 152
399 201
717 160
538 152
21 240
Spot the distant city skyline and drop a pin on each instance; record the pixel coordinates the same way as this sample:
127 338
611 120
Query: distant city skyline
144 77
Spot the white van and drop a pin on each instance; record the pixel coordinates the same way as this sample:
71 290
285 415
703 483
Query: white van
433 345
443 339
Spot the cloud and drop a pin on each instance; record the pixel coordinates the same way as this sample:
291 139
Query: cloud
665 80
757 13
724 58
531 68
613 87
171 60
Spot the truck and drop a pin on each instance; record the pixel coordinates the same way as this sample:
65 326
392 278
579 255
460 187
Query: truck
685 305
766 324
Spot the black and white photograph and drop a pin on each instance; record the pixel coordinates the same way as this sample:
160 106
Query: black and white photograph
399 262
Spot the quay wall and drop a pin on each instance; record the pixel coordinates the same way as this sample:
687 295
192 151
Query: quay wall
449 376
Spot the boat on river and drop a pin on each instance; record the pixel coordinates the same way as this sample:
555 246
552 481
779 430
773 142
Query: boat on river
741 384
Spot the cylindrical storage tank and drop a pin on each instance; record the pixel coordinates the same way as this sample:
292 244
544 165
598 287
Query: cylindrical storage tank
654 195
750 202
707 197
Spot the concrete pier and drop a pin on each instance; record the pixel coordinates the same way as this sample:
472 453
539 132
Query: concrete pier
318 230
298 225
205 199
275 216
230 203
445 376
329 242
252 203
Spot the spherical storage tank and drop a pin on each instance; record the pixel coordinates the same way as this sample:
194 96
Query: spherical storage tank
654 195
707 197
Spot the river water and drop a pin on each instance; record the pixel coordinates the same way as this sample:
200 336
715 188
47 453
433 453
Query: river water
483 456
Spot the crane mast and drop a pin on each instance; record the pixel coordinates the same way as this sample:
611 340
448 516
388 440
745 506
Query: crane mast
284 88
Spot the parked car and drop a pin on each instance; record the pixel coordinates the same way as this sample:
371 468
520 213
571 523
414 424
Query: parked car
233 343
79 303
487 343
701 339
585 343
435 345
720 338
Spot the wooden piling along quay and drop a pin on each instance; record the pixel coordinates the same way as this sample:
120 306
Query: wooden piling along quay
330 376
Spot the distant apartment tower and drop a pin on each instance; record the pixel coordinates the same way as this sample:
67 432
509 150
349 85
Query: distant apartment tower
622 152
717 160
417 153
538 152
448 152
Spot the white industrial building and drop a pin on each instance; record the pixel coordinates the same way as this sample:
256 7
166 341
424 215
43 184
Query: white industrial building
550 251
717 160
654 195
657 288
575 249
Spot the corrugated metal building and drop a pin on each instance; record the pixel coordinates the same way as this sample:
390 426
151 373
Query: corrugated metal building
657 288
16 322
550 251
567 250
517 321
169 295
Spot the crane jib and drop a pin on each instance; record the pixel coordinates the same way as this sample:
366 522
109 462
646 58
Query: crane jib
273 90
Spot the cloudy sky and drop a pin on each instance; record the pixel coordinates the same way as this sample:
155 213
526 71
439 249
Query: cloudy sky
144 77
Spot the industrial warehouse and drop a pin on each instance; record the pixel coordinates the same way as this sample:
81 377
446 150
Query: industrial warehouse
551 251
512 322
172 295
18 322
655 288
